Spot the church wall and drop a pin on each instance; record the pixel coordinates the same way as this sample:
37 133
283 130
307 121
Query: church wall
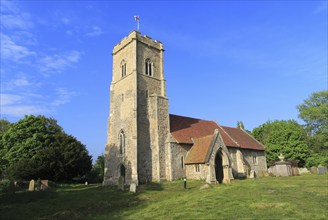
122 117
194 173
233 156
153 121
260 165
178 158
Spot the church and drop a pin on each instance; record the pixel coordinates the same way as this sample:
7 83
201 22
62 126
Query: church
147 144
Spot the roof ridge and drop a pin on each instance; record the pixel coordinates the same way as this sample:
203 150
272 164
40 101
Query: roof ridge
228 134
191 117
254 138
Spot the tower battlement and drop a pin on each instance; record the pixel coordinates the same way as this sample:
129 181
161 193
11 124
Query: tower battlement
136 35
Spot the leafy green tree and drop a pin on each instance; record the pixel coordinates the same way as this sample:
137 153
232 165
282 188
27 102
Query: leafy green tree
37 146
286 137
96 174
314 111
4 126
240 125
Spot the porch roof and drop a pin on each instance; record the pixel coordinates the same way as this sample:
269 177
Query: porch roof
199 150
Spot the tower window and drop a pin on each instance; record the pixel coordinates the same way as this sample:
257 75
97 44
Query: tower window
148 67
122 143
123 68
182 162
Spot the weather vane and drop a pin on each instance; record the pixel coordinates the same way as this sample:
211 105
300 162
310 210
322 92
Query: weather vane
136 18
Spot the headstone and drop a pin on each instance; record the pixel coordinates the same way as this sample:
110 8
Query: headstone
120 184
86 183
44 184
133 187
314 170
295 171
322 170
303 170
31 186
38 184
252 174
205 186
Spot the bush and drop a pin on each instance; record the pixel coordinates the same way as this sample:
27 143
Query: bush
316 160
5 186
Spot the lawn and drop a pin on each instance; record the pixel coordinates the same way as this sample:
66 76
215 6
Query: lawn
300 197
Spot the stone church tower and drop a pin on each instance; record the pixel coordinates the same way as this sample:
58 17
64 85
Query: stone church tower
138 123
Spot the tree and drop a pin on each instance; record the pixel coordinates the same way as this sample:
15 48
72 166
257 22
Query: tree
37 146
286 137
96 174
4 126
240 125
314 112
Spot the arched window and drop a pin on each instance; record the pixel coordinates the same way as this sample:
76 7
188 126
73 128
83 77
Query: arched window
148 67
123 68
122 143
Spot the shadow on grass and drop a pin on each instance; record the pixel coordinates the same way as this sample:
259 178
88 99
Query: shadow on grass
151 187
72 202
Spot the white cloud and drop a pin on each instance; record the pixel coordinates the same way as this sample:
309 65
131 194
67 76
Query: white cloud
9 99
24 37
21 110
13 18
12 51
96 31
321 7
58 63
19 83
63 96
66 21
17 21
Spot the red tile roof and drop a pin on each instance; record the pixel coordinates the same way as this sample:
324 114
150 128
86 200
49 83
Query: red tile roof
243 139
199 150
183 129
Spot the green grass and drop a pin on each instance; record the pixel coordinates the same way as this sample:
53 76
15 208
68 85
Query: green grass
301 197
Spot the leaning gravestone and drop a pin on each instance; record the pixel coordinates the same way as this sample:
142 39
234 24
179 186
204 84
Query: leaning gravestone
31 186
322 170
314 170
133 187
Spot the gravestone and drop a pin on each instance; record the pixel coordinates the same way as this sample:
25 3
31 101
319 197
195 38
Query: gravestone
314 170
120 184
252 174
205 186
322 170
133 187
31 186
303 170
44 184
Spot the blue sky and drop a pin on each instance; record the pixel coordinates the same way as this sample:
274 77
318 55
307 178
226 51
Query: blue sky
227 61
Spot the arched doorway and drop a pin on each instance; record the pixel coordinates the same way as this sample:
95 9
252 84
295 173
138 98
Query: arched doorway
122 172
219 167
